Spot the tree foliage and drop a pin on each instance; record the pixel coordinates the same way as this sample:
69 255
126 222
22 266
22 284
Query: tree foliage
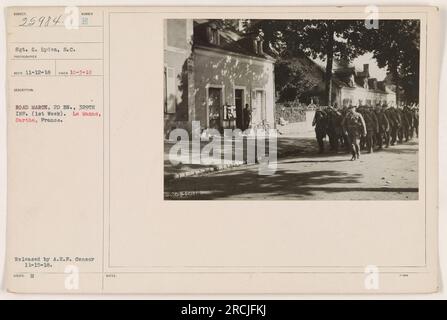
396 46
292 80
323 39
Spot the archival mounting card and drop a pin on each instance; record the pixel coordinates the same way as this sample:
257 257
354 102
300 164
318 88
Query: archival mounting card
222 149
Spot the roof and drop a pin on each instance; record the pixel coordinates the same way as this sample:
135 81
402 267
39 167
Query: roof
342 77
230 39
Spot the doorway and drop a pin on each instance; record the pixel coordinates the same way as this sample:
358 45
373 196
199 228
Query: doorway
239 103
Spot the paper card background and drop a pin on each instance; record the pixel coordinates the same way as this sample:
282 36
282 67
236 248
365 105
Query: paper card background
441 133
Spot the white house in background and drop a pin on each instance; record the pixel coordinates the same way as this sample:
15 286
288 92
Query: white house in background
358 88
349 86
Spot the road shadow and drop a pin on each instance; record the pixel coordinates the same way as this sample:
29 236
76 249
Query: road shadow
316 161
283 183
307 147
399 149
286 184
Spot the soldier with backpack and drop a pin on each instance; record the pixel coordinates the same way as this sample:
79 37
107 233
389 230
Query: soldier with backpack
372 127
334 128
383 135
415 111
320 122
354 124
395 122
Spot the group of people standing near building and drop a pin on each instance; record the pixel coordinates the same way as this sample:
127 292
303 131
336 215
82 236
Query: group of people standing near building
365 127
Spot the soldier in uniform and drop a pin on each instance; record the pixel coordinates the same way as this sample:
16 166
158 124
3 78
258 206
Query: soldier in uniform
334 128
360 109
408 114
372 127
416 119
383 134
320 122
402 132
355 126
343 111
395 122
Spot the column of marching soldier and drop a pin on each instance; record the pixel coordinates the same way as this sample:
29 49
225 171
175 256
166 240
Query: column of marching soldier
365 127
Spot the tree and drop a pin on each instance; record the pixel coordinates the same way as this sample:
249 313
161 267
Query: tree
292 80
396 45
323 39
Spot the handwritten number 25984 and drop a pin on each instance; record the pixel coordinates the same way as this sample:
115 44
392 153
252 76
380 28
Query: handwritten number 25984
43 21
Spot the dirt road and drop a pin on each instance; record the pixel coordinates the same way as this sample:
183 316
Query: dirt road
389 174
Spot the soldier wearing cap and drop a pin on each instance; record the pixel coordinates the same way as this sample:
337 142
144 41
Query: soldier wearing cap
372 127
354 124
383 134
394 120
320 122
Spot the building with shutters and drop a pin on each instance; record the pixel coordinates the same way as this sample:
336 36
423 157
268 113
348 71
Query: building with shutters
349 85
358 88
212 73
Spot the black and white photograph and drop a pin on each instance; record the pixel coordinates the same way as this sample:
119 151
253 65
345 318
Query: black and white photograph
291 109
219 151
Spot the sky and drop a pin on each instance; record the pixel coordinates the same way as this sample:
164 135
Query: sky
374 69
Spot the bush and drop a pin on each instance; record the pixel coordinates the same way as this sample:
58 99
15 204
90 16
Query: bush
291 111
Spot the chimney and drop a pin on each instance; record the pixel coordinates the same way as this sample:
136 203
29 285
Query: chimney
366 68
258 42
243 25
